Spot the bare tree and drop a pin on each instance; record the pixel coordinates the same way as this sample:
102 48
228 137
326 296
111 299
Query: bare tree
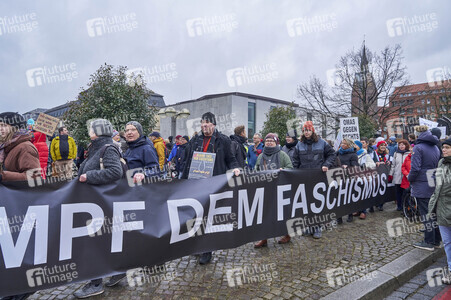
364 79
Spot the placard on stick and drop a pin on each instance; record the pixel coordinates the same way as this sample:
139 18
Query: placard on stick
349 128
46 124
202 165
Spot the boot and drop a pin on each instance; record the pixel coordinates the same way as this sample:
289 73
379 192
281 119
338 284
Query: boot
262 243
285 239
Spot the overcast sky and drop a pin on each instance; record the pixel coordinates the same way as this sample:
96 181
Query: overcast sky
194 46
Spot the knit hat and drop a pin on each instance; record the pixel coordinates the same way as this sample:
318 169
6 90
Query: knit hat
155 134
115 133
177 137
380 143
186 138
13 119
30 122
138 127
308 125
210 117
379 139
272 136
447 142
349 142
102 127
393 139
358 144
437 132
292 133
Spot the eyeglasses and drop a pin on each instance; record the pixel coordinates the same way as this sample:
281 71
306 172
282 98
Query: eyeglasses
270 141
131 130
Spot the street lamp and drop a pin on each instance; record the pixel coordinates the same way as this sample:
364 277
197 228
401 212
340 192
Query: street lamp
174 115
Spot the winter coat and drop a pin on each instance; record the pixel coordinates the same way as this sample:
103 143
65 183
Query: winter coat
349 159
160 147
440 202
173 152
405 169
58 144
219 144
180 157
425 157
284 161
124 145
313 155
396 167
289 149
111 160
141 154
20 156
239 149
392 149
366 160
252 154
39 141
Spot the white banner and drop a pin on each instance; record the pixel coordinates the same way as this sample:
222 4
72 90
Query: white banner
349 128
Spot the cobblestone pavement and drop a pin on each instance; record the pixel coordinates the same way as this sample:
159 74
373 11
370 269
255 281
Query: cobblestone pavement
296 270
423 286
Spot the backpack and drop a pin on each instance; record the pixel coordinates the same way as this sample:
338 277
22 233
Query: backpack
123 162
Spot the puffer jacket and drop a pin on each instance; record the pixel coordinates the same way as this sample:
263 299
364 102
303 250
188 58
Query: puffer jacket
396 167
142 155
440 202
405 169
313 155
111 161
39 141
425 158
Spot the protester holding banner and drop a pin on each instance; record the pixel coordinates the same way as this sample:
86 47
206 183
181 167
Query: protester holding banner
291 142
440 203
399 157
17 153
348 158
364 158
212 141
312 152
63 151
254 150
92 171
140 155
425 158
272 158
380 156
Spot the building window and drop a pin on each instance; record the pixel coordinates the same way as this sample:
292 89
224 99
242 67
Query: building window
422 101
250 120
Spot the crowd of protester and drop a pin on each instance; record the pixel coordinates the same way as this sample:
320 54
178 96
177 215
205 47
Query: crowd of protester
110 153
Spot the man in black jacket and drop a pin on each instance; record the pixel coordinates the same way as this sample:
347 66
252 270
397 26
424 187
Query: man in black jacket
239 145
212 141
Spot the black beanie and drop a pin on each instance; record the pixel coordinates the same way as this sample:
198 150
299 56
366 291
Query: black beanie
437 132
447 142
186 138
13 119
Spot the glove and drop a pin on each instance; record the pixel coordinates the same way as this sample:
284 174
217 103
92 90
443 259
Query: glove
390 178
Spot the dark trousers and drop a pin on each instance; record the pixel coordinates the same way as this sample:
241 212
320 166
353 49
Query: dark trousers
432 232
399 194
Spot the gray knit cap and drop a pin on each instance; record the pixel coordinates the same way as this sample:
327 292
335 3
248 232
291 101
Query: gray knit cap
102 127
138 127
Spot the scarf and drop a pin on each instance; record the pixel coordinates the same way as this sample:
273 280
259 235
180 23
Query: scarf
17 137
382 157
447 160
360 152
401 151
270 159
344 151
291 145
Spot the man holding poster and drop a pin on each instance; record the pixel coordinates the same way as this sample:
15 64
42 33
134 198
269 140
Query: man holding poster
211 141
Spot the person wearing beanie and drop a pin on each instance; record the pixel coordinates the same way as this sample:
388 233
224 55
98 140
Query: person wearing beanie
239 145
312 152
210 140
395 174
63 151
117 140
91 172
392 145
17 154
424 161
160 146
141 154
440 203
291 141
272 158
186 138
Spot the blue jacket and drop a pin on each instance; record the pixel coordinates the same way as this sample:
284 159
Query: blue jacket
392 149
252 155
141 154
425 158
173 152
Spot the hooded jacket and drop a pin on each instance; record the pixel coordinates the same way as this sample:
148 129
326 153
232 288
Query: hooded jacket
62 149
142 154
425 158
158 143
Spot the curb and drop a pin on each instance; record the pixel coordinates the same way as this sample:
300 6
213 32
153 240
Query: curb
389 277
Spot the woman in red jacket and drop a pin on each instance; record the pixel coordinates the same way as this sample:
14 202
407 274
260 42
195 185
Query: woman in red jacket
39 141
405 169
